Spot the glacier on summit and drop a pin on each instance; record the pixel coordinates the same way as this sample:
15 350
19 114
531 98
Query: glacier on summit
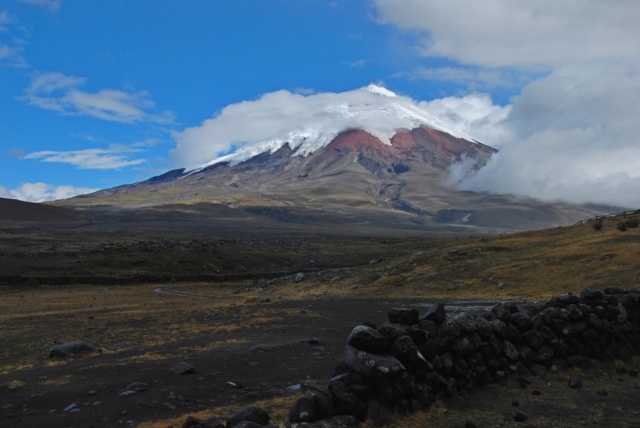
308 123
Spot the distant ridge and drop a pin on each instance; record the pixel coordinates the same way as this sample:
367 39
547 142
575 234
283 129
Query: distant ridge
20 211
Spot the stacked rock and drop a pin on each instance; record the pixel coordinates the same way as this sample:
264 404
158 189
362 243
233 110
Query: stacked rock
408 362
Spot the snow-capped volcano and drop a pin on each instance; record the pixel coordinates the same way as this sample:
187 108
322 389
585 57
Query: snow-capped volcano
307 124
367 157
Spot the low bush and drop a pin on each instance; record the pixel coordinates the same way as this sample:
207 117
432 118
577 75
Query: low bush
597 225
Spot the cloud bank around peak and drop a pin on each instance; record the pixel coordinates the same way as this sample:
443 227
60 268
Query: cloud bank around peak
572 132
282 113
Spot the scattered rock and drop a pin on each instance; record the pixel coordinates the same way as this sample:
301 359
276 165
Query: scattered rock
521 416
575 383
250 414
298 277
65 350
182 368
261 348
310 341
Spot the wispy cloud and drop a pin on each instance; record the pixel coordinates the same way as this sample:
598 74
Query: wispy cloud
10 45
475 78
11 56
359 63
61 93
42 192
101 159
4 20
52 5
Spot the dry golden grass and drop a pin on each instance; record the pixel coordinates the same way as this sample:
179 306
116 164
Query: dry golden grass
529 265
278 409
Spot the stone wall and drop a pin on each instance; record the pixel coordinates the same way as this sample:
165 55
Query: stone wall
407 363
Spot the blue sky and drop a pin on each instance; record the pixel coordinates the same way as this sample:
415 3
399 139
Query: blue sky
95 94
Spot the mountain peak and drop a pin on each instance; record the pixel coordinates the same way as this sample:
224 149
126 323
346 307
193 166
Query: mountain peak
372 109
376 89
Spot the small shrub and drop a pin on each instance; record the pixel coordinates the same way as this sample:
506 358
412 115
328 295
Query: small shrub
631 223
597 225
622 226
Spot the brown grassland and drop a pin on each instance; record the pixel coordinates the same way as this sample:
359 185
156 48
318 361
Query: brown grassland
182 298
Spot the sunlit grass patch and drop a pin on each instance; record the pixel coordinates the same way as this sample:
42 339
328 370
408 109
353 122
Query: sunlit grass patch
62 380
13 368
277 407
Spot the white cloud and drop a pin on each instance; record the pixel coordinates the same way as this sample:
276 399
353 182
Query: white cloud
10 48
497 33
55 91
52 5
101 159
572 133
282 113
41 192
473 114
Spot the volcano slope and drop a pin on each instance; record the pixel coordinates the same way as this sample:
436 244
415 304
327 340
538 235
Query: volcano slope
243 307
356 180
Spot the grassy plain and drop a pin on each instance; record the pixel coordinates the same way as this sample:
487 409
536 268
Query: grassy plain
179 296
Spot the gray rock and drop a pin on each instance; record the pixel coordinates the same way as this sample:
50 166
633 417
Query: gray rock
251 414
312 406
261 348
435 313
365 363
137 386
575 383
465 320
368 339
521 417
298 277
65 350
591 294
182 368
